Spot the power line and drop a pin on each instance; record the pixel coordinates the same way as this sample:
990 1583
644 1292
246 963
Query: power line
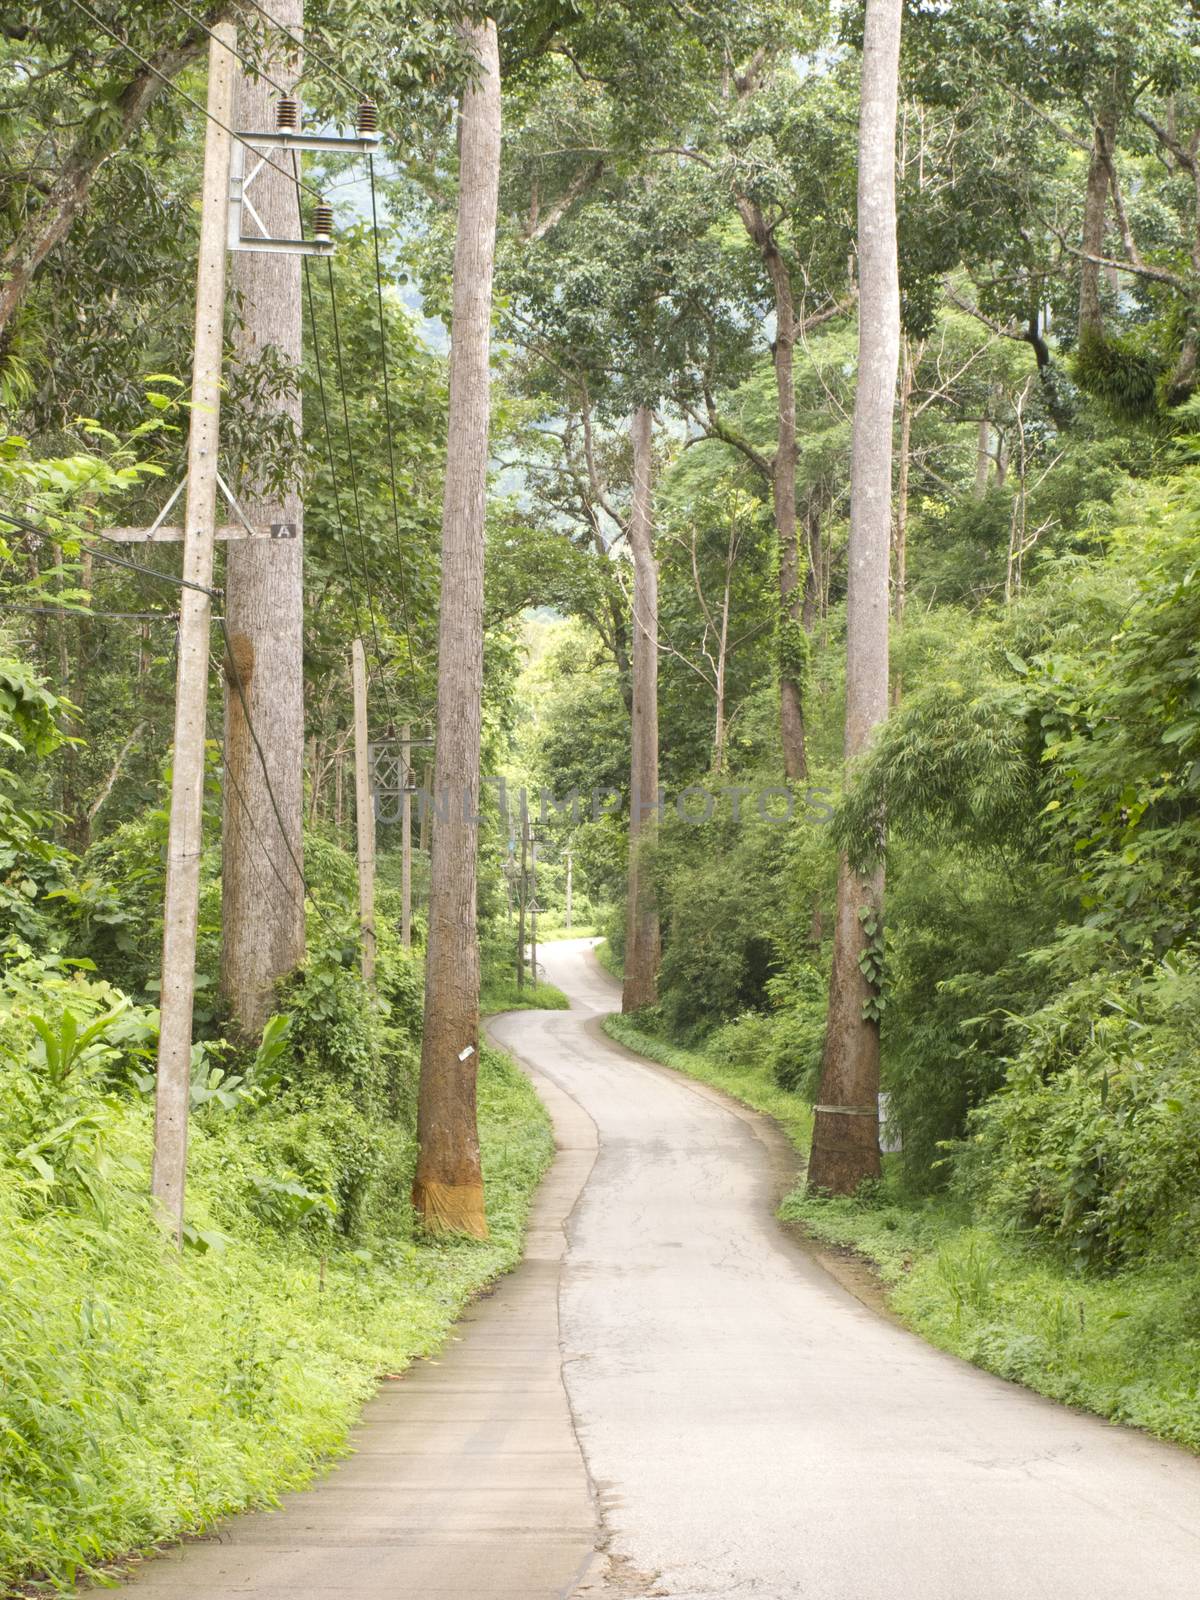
387 412
307 50
250 66
183 94
240 795
337 499
362 542
87 613
337 496
29 529
239 689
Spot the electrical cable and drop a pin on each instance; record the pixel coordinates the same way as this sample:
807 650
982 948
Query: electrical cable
387 412
316 345
240 796
239 689
308 51
337 495
183 94
248 65
87 613
362 542
28 529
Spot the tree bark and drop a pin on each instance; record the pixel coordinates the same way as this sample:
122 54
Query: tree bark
845 1147
448 1190
68 196
643 939
983 458
262 901
1095 205
783 494
900 573
900 528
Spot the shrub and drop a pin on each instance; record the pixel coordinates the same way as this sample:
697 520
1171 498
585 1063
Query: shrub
1093 1143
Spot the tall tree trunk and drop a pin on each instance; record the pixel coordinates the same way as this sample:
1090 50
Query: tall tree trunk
448 1191
1091 315
262 901
813 590
983 458
783 494
643 941
49 225
845 1147
720 730
900 537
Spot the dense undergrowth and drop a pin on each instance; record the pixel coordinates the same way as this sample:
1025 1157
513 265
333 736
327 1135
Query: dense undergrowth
144 1394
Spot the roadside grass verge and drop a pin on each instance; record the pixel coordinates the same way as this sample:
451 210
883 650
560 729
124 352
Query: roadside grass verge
145 1394
502 994
753 1086
609 960
1125 1346
556 931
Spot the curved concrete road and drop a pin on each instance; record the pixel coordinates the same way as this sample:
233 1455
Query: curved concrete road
670 1398
754 1431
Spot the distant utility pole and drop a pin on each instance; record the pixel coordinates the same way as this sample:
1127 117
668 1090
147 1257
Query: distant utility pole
364 812
522 895
391 785
534 908
173 1086
406 839
568 888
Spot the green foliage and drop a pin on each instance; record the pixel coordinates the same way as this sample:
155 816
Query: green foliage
1121 373
1091 1143
142 1396
502 993
1121 1345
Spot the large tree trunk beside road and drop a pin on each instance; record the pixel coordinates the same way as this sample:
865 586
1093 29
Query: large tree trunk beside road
845 1147
643 943
448 1190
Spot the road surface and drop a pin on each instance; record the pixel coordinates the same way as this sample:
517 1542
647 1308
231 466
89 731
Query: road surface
670 1398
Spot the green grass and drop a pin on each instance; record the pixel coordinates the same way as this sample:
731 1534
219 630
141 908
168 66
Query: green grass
607 957
556 931
753 1086
143 1394
502 994
1126 1347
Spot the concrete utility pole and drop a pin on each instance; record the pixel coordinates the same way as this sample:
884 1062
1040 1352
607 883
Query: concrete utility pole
364 811
522 895
262 903
568 888
406 771
173 1088
534 908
